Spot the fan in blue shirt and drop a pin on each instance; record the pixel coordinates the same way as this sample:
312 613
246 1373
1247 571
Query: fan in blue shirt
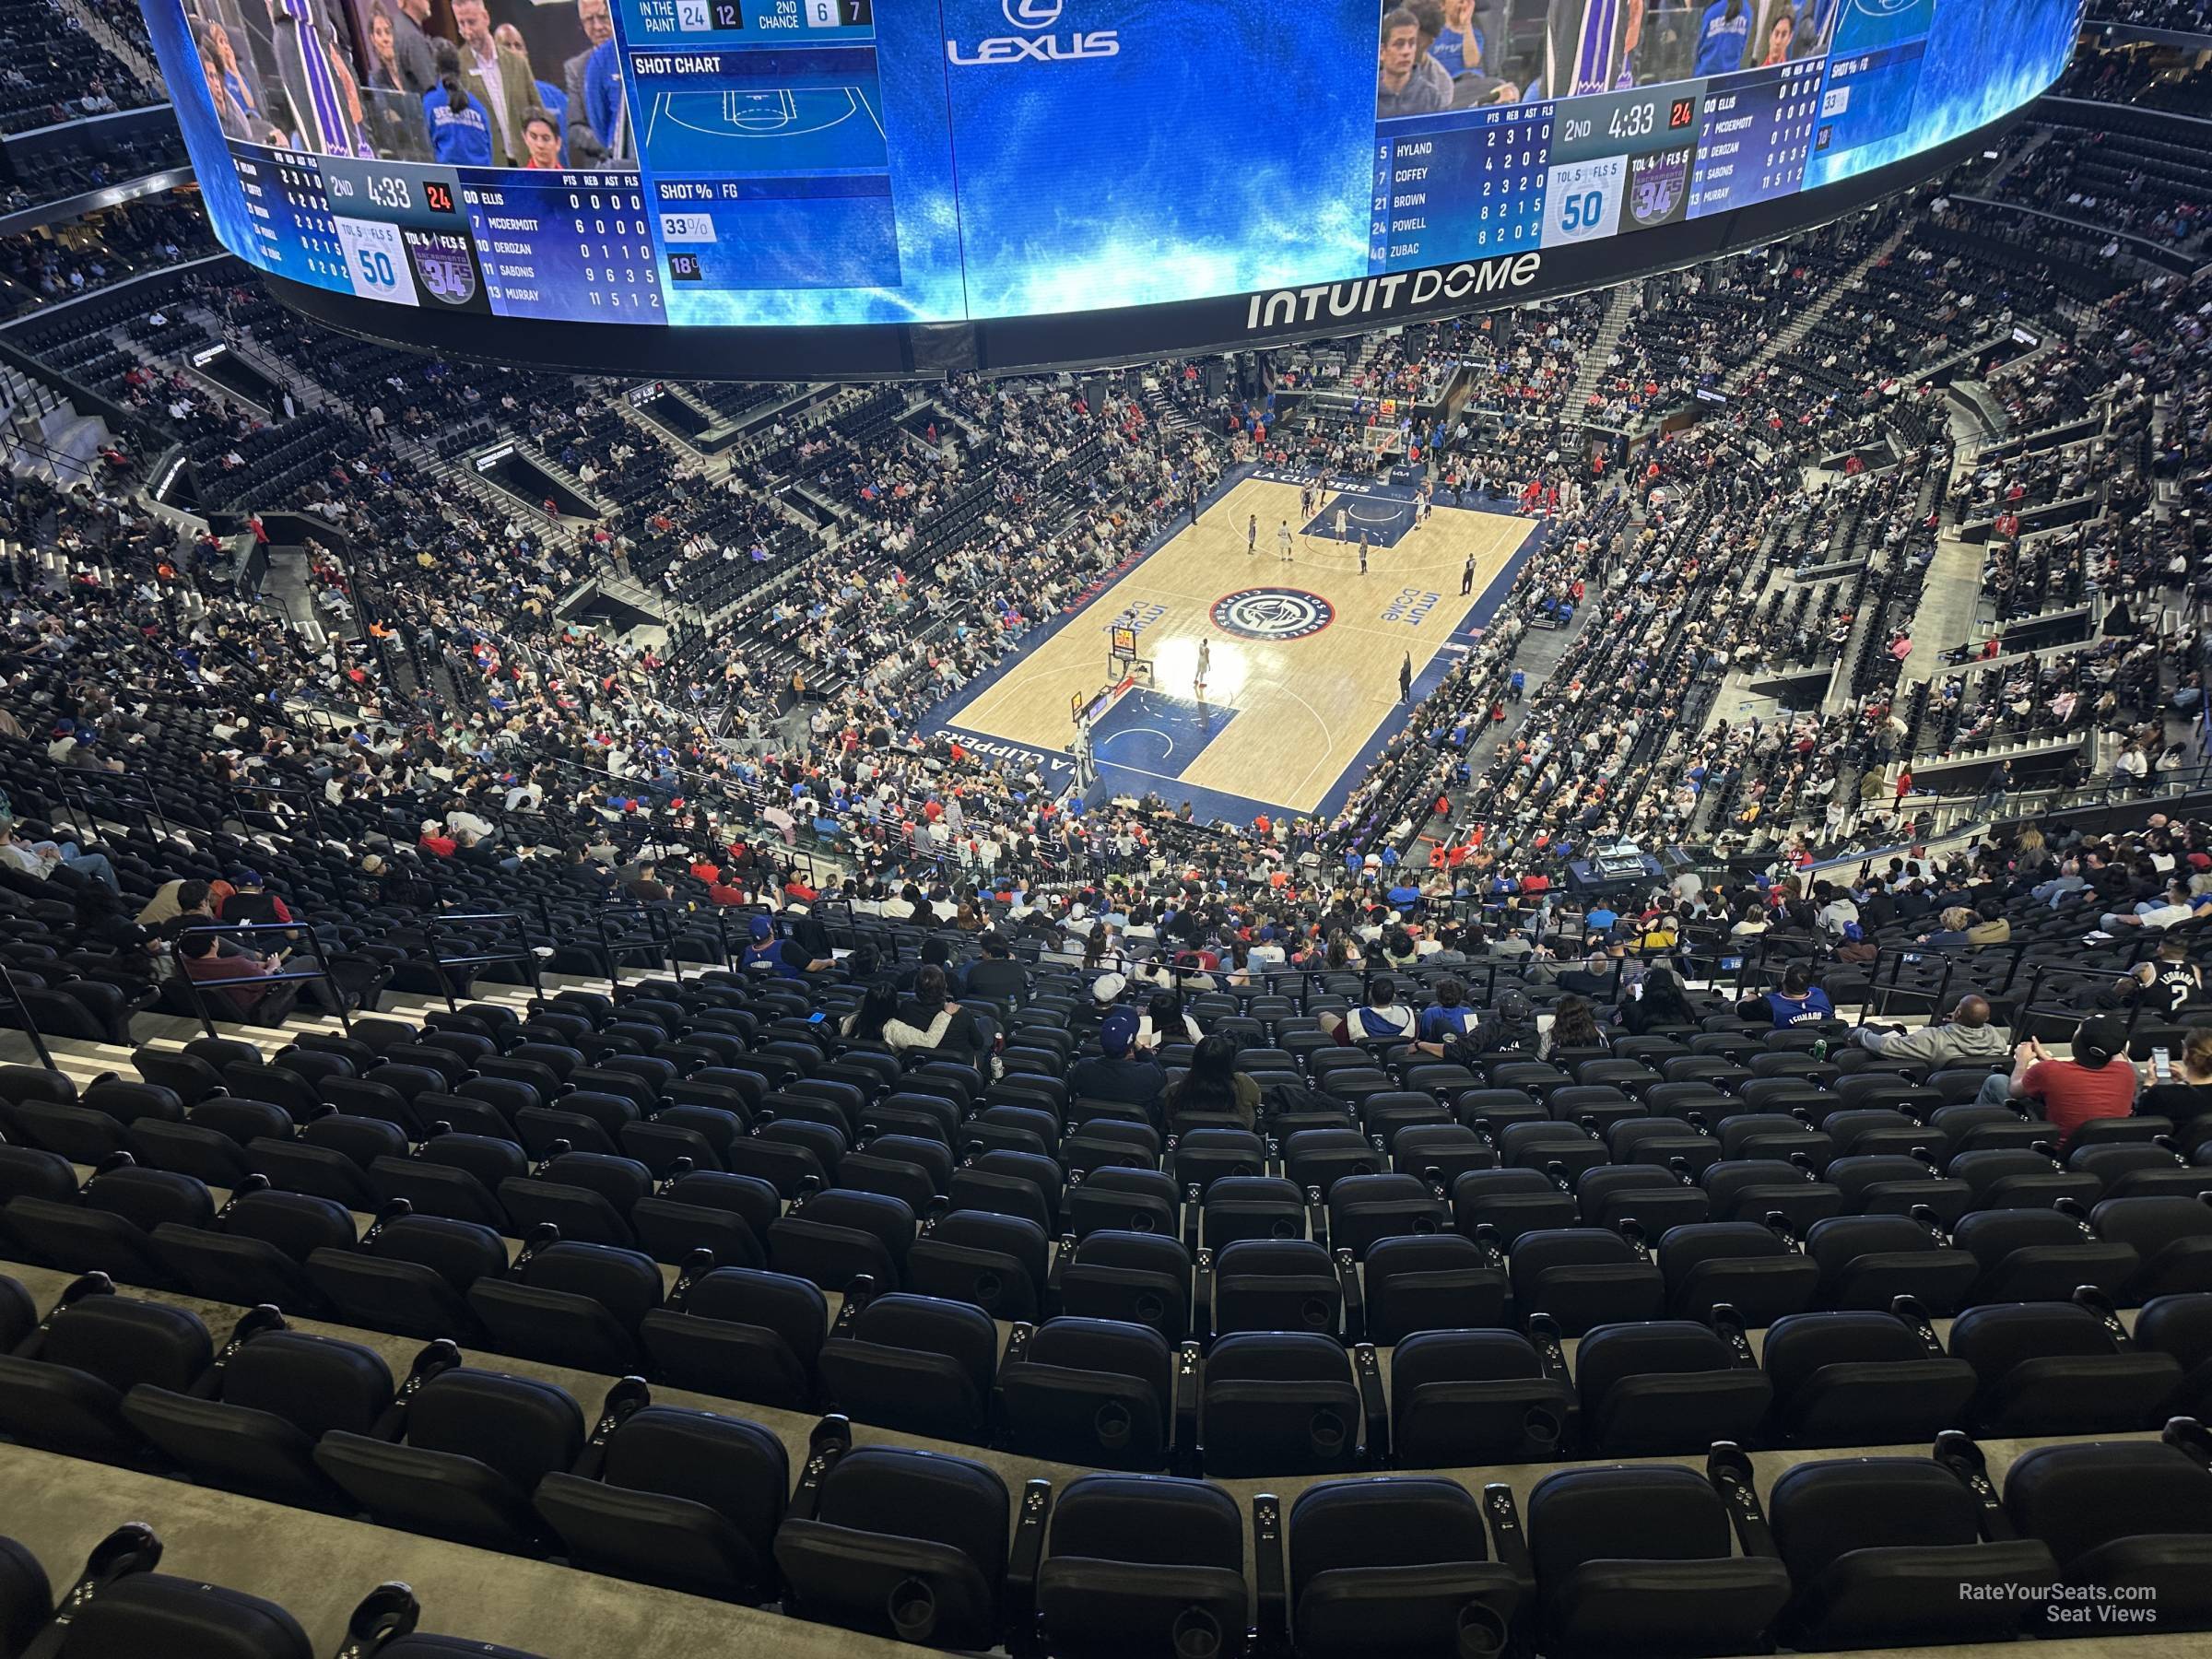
1723 37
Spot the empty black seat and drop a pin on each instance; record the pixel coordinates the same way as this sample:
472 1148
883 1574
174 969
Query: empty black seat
1888 1552
1089 1391
1280 1402
2040 1255
109 1227
1395 1567
741 1334
63 1390
2131 1518
902 1544
1585 1277
1740 1263
1671 1385
153 1613
476 1444
1641 1560
2171 1237
571 1304
2054 1368
258 1253
277 1394
1870 1260
1144 1567
1444 1282
1137 1276
410 1275
915 1363
685 1500
1276 1285
1466 1397
1861 1378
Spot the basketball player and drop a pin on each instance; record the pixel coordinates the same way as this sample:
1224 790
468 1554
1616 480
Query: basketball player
1363 552
1420 506
1282 542
1342 534
1466 577
1206 661
1305 502
1251 536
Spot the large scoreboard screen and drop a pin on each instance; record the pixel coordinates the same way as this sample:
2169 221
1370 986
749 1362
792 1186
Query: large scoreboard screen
811 164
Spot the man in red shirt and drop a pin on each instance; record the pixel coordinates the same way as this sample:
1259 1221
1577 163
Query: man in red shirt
196 955
2098 1082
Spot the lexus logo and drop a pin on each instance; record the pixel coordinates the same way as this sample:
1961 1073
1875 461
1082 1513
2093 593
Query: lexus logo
1036 45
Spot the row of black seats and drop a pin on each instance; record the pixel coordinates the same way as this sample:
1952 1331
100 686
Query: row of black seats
119 1604
1090 1388
934 1550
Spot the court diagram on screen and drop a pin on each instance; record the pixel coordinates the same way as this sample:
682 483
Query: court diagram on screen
766 129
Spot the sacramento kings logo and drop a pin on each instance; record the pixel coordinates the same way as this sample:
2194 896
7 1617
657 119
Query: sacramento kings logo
446 270
1658 184
1272 613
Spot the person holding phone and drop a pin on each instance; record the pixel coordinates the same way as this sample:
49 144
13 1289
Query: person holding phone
2072 1091
237 975
2184 1089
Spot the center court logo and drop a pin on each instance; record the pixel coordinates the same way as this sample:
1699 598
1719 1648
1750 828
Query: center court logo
1272 613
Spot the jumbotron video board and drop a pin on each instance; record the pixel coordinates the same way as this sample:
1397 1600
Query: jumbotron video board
892 187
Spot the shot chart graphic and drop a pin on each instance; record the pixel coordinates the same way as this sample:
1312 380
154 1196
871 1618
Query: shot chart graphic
818 117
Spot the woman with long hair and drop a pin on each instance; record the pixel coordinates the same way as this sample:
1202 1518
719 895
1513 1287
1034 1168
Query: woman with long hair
1163 1021
876 1020
1660 1000
460 128
1214 1086
1575 1025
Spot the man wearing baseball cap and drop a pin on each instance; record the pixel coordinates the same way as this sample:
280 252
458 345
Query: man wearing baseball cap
786 959
2096 1082
1120 1072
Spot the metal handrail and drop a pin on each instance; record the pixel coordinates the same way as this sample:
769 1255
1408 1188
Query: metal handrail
239 929
659 936
440 962
29 1024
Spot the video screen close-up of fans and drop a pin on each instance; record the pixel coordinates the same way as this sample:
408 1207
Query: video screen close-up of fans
774 164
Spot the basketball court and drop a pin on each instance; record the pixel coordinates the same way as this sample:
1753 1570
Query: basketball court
1300 686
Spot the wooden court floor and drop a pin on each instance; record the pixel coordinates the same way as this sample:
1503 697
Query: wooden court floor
1306 706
